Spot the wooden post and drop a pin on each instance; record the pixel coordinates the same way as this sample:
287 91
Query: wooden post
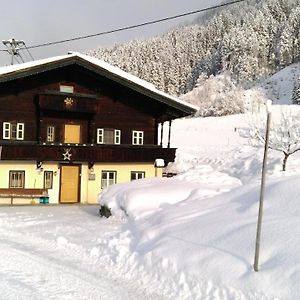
262 191
169 137
39 126
161 133
91 138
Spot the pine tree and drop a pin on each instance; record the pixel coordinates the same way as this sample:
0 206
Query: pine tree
251 40
296 92
216 96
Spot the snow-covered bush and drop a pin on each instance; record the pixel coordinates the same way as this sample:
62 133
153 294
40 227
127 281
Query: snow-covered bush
284 130
216 96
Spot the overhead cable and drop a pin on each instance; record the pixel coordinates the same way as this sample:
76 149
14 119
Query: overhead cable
133 26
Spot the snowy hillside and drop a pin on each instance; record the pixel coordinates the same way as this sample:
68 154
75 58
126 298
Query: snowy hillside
195 233
219 95
251 40
279 87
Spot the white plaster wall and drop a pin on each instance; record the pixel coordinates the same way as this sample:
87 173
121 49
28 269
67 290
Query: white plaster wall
34 178
123 175
89 188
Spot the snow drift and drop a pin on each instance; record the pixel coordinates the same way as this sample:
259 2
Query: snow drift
195 233
210 239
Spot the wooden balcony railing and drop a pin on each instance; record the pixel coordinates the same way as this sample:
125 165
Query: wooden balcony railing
86 153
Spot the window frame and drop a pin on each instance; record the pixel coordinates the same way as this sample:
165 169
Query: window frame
7 131
6 127
50 133
137 137
16 172
100 135
107 172
45 180
100 138
136 173
20 131
64 88
117 136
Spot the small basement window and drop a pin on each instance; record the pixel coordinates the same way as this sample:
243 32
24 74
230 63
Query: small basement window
137 175
66 89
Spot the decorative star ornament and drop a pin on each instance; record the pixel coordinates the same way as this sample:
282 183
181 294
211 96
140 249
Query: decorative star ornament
68 102
67 155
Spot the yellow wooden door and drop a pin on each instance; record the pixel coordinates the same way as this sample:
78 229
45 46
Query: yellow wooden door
69 184
72 134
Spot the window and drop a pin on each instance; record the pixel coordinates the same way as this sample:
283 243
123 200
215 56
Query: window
13 131
100 136
16 179
137 137
137 175
50 133
6 131
108 136
48 179
66 89
117 136
108 178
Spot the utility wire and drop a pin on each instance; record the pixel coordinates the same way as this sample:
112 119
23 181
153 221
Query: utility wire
15 57
133 26
21 57
27 51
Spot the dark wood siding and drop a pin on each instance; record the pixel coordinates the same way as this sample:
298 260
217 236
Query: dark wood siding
97 102
87 153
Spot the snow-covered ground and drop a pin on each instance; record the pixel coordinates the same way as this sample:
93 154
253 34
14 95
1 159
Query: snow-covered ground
187 237
196 232
60 252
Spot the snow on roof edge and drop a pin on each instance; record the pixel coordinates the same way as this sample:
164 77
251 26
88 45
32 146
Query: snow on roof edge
102 64
132 78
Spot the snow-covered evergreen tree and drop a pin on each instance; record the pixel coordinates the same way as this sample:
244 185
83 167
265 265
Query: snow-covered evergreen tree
216 96
251 40
296 92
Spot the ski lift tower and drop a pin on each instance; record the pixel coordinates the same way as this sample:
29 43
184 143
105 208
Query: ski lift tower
13 47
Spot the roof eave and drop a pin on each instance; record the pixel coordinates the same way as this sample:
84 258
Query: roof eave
75 59
138 88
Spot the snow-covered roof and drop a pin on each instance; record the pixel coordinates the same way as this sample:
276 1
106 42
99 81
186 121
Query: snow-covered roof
22 70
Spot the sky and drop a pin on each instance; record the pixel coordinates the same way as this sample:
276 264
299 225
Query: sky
36 22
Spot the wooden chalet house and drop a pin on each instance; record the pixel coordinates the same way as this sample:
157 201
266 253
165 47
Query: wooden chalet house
74 124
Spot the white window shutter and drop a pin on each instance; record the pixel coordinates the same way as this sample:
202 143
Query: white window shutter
117 136
6 130
20 131
100 135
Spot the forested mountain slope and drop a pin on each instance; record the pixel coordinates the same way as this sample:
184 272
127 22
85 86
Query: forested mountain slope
250 40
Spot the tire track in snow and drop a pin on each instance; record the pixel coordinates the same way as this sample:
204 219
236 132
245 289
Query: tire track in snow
39 268
43 277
